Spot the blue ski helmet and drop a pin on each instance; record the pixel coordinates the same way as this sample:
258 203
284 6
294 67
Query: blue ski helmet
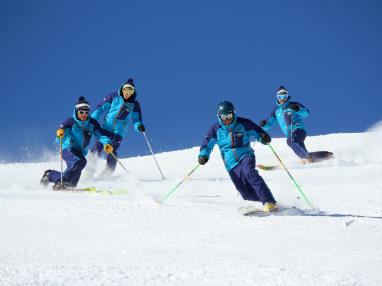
225 107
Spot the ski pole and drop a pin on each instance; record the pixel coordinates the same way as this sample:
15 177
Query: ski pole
181 182
152 152
62 168
294 181
119 162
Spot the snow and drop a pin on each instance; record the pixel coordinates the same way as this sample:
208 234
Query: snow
197 237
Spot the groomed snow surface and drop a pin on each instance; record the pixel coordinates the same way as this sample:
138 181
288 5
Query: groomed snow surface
197 237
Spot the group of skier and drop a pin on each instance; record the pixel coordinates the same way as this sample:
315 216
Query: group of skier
231 133
74 135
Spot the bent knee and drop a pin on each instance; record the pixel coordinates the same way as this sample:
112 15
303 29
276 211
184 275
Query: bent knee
81 162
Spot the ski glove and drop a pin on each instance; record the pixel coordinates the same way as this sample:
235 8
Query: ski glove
141 128
294 107
202 160
60 133
265 138
108 148
262 123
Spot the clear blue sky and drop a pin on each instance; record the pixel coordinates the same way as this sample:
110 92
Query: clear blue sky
186 56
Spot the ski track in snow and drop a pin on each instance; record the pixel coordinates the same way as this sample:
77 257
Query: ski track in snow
197 237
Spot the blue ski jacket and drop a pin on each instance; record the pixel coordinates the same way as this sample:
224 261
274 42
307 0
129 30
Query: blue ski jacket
233 140
78 133
288 119
118 111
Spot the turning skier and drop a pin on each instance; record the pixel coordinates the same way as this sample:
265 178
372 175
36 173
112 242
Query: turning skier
75 133
289 115
233 135
117 108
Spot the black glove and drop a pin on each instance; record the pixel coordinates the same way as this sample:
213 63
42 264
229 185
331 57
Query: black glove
202 160
262 123
265 138
141 128
294 106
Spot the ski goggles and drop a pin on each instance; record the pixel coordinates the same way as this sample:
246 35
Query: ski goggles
82 112
282 96
226 116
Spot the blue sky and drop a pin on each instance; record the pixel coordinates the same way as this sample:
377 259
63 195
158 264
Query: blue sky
186 56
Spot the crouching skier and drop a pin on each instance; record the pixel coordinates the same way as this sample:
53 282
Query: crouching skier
233 135
289 116
75 133
117 109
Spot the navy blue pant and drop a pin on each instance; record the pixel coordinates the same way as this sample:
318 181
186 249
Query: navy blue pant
116 140
296 142
249 183
75 163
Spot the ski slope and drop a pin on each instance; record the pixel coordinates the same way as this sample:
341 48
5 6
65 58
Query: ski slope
197 237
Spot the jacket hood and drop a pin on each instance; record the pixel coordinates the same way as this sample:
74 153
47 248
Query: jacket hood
228 126
131 99
80 122
283 105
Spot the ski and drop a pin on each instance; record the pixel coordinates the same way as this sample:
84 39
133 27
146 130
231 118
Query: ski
267 167
293 211
254 211
94 190
319 156
316 157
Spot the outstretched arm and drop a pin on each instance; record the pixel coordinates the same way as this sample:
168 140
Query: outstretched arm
137 117
299 109
267 124
209 142
256 132
64 129
100 134
103 106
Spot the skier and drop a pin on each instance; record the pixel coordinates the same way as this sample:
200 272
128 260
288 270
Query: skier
75 133
233 135
289 115
117 108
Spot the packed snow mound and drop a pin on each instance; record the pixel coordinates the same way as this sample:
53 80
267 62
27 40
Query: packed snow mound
377 127
197 237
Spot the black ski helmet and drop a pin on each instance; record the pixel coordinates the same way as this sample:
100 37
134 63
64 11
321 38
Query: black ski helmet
225 107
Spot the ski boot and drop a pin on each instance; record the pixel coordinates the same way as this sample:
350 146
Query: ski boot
106 174
307 160
87 174
91 166
65 186
270 207
45 178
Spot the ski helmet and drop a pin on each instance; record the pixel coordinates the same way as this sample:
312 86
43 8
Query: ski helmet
225 107
282 93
